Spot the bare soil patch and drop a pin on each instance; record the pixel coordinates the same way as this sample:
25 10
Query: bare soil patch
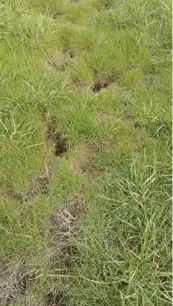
103 117
10 193
59 62
78 85
82 161
103 81
39 185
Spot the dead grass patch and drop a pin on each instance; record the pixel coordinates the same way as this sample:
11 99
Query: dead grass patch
62 232
62 226
13 284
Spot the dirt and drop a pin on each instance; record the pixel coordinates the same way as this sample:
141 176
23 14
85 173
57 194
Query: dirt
59 62
54 134
10 193
13 284
60 145
72 53
100 84
57 15
103 117
103 81
82 161
137 125
39 185
78 85
55 299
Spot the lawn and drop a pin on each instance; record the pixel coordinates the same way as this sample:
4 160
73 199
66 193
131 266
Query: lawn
85 153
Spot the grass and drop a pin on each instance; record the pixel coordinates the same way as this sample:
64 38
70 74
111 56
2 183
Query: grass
91 226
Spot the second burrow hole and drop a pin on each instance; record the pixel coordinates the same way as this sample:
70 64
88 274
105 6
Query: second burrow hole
104 81
54 134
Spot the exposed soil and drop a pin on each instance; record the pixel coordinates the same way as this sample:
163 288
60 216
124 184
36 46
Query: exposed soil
13 285
53 134
100 84
59 62
57 15
55 299
103 117
78 85
137 125
39 185
60 145
82 161
103 82
72 53
10 193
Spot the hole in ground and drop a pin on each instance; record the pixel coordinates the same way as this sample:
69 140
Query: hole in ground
98 86
60 141
60 145
55 299
103 82
137 125
57 15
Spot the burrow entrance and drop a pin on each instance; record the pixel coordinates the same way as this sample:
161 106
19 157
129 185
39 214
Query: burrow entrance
53 133
103 82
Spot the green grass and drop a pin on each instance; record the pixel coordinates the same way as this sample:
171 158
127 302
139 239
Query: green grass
115 248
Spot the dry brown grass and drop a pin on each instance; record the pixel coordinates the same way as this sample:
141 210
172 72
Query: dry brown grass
13 283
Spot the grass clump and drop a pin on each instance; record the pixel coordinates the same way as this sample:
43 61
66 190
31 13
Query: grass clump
85 136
